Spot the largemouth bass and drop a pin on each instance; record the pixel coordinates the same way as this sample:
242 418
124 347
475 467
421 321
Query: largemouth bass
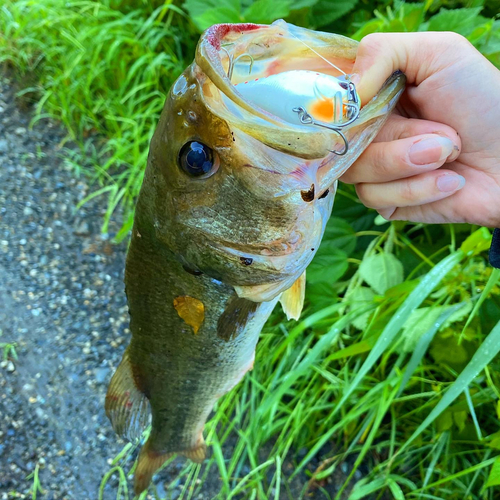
232 209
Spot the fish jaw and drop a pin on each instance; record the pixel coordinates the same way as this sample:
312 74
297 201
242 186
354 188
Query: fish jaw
274 48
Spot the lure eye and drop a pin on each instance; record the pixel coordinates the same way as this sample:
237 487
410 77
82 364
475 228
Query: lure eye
197 159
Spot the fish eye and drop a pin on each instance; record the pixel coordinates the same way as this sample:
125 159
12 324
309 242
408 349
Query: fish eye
197 159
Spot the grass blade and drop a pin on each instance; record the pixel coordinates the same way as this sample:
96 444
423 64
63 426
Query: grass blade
486 352
416 297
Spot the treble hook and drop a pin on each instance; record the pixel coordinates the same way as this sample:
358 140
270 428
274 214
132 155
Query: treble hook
232 62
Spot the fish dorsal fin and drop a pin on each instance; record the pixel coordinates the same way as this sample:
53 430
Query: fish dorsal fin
292 299
126 406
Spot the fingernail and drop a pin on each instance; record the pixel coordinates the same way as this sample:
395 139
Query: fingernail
386 213
450 182
432 150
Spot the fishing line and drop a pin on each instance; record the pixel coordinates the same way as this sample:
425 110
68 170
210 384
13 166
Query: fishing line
319 55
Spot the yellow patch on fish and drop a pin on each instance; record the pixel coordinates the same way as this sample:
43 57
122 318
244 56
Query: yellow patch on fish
191 310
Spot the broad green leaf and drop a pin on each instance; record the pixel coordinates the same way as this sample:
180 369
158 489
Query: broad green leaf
371 27
444 422
486 352
327 268
423 344
265 12
477 242
338 234
216 16
359 297
447 349
458 20
205 13
381 271
302 4
495 440
494 476
326 11
321 294
412 15
421 321
460 417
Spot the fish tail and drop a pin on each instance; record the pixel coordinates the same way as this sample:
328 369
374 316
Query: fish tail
150 461
126 407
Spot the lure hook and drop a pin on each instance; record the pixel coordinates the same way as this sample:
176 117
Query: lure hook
232 62
353 106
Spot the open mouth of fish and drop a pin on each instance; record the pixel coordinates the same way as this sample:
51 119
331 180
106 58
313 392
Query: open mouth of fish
290 88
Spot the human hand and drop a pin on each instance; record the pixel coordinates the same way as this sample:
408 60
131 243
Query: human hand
449 115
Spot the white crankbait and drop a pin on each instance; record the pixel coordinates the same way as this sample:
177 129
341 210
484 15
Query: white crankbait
305 97
324 97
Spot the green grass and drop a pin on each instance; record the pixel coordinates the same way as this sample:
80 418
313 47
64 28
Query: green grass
392 366
415 403
104 73
8 349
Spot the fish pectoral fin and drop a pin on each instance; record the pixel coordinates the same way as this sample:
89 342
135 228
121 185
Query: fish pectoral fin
126 407
292 300
150 461
233 321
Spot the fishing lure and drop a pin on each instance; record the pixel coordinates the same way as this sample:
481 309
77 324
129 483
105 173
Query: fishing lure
304 97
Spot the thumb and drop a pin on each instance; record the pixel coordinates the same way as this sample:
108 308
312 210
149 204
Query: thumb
418 55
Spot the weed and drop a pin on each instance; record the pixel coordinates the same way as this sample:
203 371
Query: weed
37 487
9 349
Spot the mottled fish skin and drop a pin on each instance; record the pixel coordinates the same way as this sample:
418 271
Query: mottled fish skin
210 257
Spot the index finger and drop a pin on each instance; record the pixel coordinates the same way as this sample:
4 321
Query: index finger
415 54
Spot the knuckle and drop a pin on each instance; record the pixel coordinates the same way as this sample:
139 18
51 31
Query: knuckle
373 43
407 191
455 38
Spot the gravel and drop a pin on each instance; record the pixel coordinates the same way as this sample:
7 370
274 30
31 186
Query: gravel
62 301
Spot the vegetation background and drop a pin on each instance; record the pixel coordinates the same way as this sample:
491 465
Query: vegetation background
394 364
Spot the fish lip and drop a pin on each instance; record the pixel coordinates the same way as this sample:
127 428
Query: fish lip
275 48
217 32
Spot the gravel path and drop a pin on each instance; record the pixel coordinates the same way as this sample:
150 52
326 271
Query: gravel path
62 301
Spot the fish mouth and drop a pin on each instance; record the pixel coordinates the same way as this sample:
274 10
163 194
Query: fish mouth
226 52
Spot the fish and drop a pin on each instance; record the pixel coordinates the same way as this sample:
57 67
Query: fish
232 208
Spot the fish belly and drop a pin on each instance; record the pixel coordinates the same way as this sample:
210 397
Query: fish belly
180 363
